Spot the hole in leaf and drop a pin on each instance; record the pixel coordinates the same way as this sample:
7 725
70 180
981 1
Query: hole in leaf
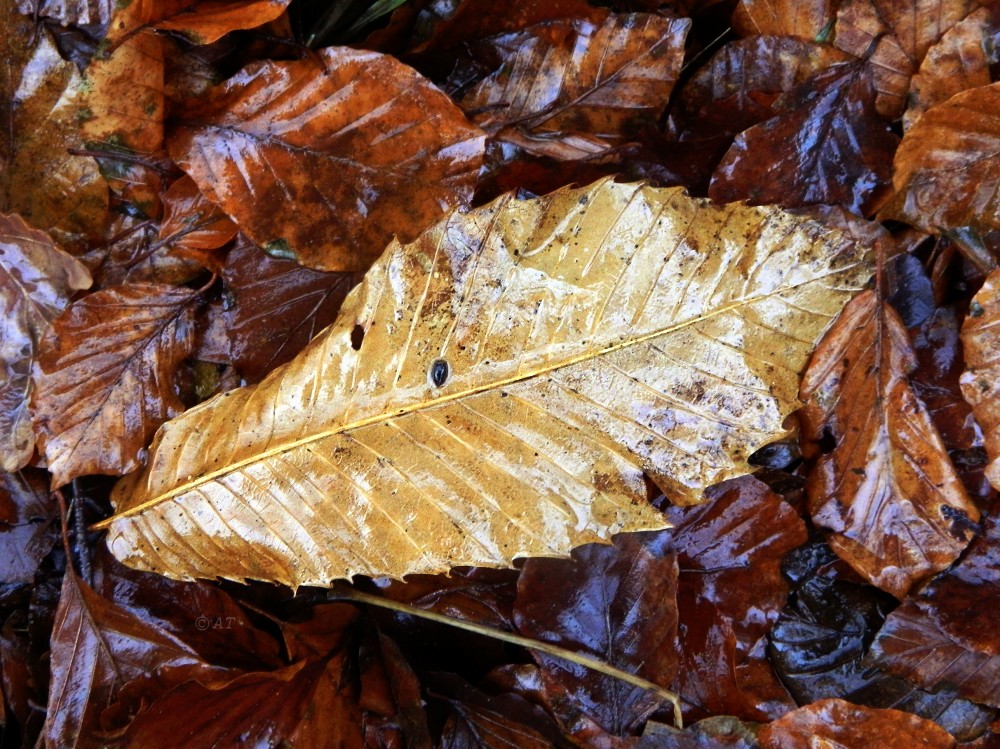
439 372
357 337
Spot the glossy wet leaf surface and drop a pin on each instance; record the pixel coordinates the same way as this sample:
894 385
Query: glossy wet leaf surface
347 150
980 380
508 353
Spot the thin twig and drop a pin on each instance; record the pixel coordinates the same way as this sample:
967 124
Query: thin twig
343 593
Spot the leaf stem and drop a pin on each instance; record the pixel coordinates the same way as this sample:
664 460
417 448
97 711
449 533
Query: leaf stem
343 593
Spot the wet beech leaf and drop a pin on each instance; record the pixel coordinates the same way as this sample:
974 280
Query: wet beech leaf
324 160
40 179
604 81
838 723
981 381
957 62
201 21
190 220
98 648
70 12
946 634
517 371
805 19
28 524
830 146
277 307
947 168
36 282
887 489
104 377
894 35
616 603
729 594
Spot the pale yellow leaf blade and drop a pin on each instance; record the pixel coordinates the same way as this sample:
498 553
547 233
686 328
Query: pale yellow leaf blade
521 366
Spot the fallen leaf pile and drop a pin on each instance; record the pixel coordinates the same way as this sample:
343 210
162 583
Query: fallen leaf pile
662 335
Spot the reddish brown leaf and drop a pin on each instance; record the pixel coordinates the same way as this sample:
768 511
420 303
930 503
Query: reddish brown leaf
36 282
806 19
957 62
325 160
738 86
302 705
729 594
278 306
390 694
97 648
39 178
28 525
980 382
831 146
104 377
887 489
947 168
201 21
947 633
615 603
841 724
190 220
573 78
895 35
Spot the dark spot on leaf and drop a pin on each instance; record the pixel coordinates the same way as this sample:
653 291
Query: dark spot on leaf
439 372
357 337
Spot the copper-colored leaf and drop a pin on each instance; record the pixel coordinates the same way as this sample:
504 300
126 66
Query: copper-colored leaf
517 371
201 21
947 168
278 306
729 594
957 62
887 489
981 380
27 524
306 704
104 377
830 147
947 634
841 724
895 35
190 220
605 82
39 178
324 160
98 648
36 282
615 603
805 19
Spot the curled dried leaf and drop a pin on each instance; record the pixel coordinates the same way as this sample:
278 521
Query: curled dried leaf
519 369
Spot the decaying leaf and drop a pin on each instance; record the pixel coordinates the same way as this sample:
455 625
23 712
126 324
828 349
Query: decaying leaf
104 377
28 524
981 380
192 221
603 82
841 724
201 21
67 12
887 489
805 19
36 281
947 168
324 160
517 370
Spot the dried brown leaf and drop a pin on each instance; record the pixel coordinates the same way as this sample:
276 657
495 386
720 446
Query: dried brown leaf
522 366
616 603
277 308
947 168
324 160
40 178
981 381
887 489
37 280
104 377
805 19
957 62
605 82
841 724
830 147
894 35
